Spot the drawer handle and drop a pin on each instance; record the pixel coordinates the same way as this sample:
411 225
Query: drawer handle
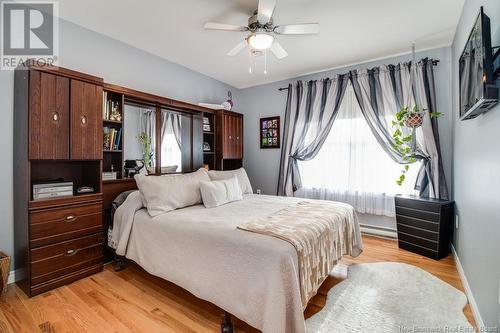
70 218
71 252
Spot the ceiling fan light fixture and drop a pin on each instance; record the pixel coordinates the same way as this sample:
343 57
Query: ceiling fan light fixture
260 40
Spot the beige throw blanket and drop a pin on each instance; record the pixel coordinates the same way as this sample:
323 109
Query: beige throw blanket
321 232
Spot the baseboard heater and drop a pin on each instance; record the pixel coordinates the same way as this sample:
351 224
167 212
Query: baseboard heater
378 231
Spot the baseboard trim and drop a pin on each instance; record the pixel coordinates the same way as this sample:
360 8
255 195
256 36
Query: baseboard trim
468 290
378 231
13 276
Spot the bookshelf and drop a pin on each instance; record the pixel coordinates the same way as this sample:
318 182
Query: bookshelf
112 124
209 139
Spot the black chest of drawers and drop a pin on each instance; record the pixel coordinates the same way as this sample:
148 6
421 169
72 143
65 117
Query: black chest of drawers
425 226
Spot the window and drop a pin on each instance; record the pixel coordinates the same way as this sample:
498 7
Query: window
171 155
174 142
352 167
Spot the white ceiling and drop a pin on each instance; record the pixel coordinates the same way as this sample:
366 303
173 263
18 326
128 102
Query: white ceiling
352 31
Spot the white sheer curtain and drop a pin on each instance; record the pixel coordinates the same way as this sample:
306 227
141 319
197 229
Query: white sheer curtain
352 167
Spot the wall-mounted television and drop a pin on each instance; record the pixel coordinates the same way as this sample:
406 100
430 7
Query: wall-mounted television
478 92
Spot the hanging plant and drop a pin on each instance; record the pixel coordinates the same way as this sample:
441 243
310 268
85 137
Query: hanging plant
145 142
405 144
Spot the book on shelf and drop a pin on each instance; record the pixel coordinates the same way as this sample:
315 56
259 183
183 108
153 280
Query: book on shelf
44 190
38 196
118 138
105 111
111 138
110 108
52 190
109 175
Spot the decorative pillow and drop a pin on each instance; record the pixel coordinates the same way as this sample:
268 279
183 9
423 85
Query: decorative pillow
246 187
168 192
219 192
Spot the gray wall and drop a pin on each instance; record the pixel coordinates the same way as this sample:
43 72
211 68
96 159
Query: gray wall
476 179
265 100
87 51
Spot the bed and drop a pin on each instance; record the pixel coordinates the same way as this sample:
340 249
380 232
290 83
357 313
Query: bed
247 274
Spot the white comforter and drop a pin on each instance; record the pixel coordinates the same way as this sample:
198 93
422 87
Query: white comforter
252 276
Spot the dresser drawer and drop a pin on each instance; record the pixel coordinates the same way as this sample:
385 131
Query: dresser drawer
52 261
419 249
419 214
417 223
417 204
430 235
422 242
55 225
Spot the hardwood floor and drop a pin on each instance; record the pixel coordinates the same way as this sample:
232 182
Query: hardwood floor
134 301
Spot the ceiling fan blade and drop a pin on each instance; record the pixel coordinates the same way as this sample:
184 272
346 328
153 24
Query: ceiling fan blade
226 27
297 29
265 10
237 49
278 50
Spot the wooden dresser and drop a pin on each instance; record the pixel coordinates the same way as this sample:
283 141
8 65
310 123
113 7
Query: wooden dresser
57 135
424 225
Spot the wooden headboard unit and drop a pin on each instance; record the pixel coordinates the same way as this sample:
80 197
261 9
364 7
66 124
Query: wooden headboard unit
112 188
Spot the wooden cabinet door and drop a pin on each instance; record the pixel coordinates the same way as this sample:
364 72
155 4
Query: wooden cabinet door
49 117
230 136
227 137
239 137
86 123
233 137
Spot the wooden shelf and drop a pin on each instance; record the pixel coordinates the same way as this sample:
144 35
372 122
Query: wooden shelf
119 180
111 151
208 152
111 122
63 201
206 132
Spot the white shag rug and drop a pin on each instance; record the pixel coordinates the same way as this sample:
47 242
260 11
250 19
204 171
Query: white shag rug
391 297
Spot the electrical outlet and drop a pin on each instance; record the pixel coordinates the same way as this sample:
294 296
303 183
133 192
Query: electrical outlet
259 191
456 221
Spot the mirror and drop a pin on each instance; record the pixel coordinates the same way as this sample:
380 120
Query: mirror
175 141
139 137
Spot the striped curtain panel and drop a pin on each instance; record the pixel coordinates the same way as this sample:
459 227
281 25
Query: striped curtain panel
311 109
431 181
381 92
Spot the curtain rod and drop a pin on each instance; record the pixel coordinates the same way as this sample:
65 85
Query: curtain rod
434 62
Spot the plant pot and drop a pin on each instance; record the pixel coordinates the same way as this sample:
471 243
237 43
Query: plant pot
414 120
4 271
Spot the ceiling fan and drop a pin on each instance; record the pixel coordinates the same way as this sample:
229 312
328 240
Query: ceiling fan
262 31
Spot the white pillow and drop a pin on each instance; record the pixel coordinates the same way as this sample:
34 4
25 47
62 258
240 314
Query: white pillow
168 192
246 187
219 192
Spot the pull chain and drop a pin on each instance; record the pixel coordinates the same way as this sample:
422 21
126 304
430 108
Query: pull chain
250 61
265 61
414 85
